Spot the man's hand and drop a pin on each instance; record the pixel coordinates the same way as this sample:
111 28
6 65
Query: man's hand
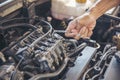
81 27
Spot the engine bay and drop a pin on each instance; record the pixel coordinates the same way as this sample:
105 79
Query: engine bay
33 46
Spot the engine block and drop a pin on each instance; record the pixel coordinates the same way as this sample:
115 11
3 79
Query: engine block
37 52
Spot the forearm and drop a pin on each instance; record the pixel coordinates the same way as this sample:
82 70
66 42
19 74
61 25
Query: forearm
102 6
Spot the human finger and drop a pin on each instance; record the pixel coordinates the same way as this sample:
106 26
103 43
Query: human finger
91 26
75 31
70 27
79 24
90 33
82 33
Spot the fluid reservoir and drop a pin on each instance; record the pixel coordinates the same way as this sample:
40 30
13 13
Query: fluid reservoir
62 9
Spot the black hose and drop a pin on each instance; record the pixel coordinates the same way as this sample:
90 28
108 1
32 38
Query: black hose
112 17
49 75
14 19
18 24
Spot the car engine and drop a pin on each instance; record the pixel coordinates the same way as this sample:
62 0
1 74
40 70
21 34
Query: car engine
33 46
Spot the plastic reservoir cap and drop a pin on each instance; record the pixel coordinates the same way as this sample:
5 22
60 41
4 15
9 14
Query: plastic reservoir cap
81 1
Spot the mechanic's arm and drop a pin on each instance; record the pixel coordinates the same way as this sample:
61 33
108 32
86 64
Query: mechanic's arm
102 6
82 26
